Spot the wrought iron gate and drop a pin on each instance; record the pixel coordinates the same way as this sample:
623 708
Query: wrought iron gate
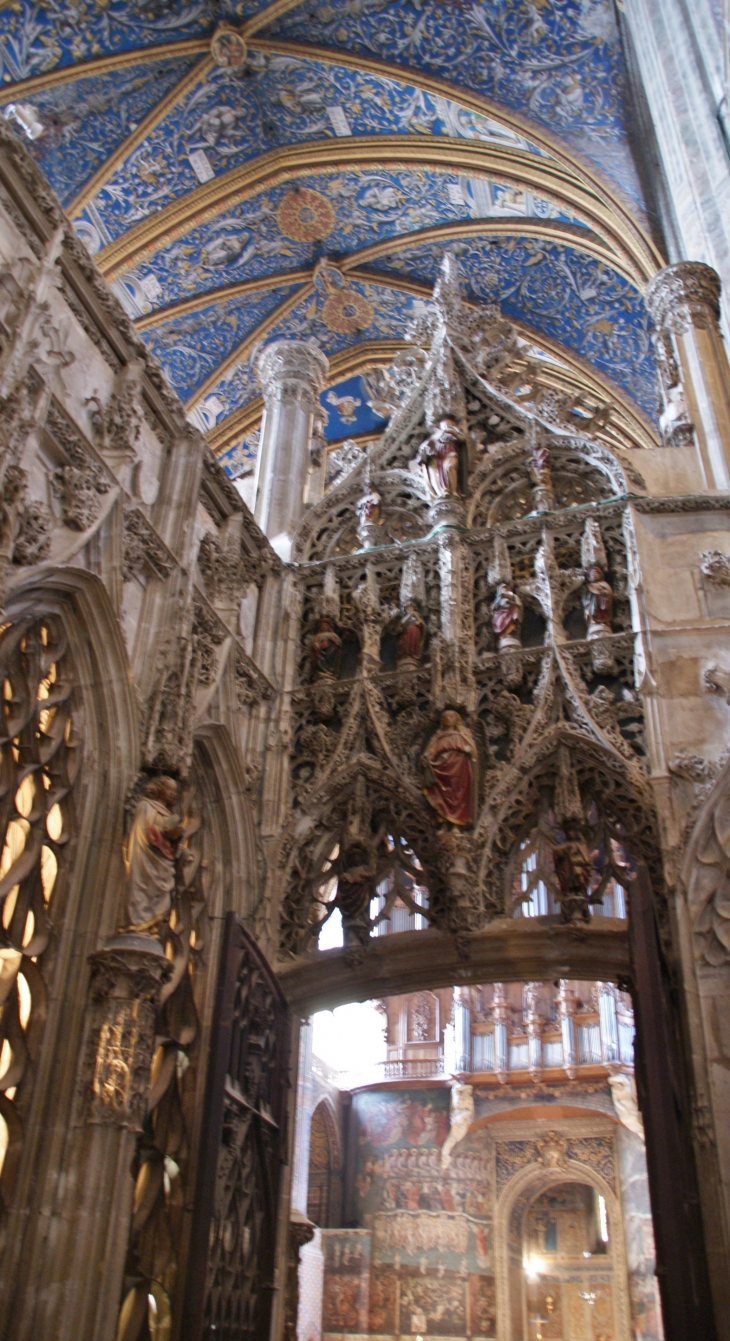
243 1145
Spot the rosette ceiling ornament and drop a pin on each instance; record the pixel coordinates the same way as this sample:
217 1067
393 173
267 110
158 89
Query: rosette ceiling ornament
247 172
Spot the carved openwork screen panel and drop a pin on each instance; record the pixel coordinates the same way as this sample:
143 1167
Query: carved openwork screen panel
230 1286
39 759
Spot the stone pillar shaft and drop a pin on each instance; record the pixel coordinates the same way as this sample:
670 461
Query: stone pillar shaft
684 302
303 1122
292 374
462 1029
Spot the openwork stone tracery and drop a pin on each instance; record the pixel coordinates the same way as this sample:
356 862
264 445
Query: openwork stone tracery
498 621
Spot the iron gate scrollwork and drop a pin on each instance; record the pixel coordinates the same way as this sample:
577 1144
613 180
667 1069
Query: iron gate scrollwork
243 1146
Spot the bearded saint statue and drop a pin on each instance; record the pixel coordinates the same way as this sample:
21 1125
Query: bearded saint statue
440 457
149 856
449 766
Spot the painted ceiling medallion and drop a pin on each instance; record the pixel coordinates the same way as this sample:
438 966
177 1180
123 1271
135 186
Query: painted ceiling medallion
228 48
305 215
347 312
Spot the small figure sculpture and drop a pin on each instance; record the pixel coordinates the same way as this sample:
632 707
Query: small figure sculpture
325 651
368 515
411 638
542 479
355 888
440 455
507 613
449 763
597 602
461 1117
149 856
574 872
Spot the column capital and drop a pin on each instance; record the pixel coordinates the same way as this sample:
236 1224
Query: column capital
684 295
291 364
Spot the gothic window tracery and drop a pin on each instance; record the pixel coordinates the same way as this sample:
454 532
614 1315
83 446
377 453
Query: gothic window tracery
39 761
536 885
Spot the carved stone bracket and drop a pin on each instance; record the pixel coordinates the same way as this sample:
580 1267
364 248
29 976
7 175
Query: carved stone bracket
126 979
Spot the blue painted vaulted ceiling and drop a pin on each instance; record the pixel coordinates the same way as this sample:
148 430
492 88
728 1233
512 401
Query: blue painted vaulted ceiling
305 182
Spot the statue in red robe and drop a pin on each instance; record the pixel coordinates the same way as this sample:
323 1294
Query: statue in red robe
449 765
411 638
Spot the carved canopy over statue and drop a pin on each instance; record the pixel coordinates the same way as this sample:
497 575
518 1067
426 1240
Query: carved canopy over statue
149 856
441 458
449 766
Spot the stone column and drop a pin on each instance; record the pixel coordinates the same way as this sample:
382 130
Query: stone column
566 1008
533 1025
684 302
678 55
292 374
126 979
500 1013
301 1231
303 1121
462 1029
608 1022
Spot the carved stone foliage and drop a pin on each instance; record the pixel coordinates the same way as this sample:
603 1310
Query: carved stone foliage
41 756
143 548
225 567
715 566
81 481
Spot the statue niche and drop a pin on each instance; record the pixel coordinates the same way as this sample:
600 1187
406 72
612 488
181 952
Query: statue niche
449 764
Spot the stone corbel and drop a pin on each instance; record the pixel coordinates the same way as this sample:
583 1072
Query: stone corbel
127 977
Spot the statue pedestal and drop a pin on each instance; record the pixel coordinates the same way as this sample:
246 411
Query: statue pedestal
447 511
126 979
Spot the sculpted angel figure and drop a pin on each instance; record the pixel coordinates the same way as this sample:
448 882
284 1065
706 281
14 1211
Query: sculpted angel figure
150 853
597 602
507 617
440 456
449 766
325 651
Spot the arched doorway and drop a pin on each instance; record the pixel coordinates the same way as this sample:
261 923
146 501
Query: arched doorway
560 1258
324 1187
